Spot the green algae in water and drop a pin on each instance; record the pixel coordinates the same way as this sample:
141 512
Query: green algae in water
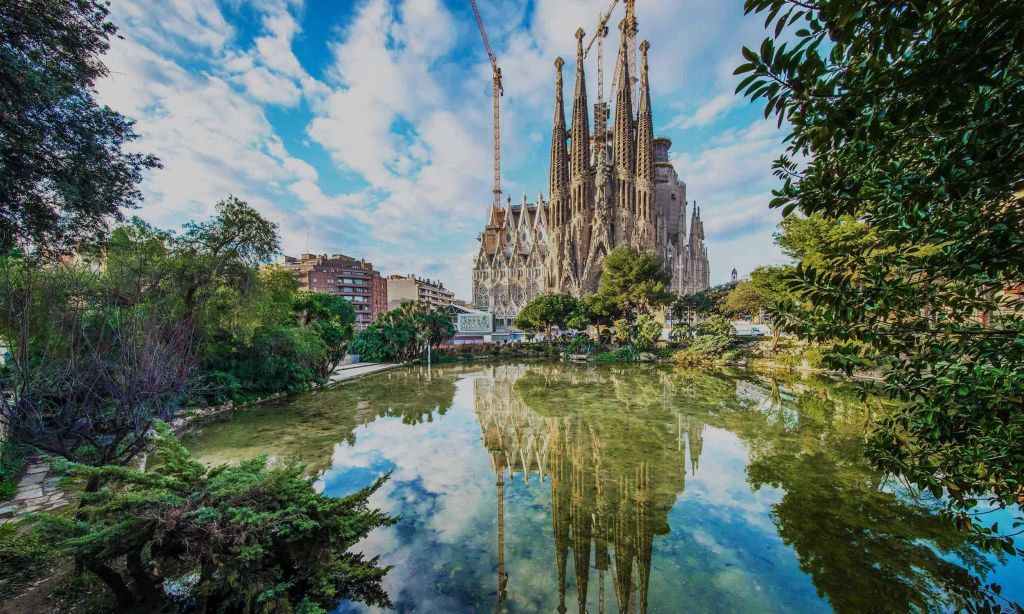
549 487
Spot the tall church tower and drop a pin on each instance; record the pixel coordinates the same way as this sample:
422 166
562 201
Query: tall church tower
624 150
644 233
579 166
561 269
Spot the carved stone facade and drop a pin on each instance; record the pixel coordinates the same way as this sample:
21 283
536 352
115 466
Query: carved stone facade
606 189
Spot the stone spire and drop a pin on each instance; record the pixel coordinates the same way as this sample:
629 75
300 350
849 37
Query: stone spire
579 157
645 159
559 184
623 148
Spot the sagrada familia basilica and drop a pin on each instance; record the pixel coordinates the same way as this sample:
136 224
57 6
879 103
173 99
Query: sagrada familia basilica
606 190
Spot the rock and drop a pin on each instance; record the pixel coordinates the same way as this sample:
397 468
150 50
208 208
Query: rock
7 511
31 478
29 493
579 357
40 468
647 357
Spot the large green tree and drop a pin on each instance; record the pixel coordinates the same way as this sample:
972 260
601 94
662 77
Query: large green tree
547 312
906 117
64 173
634 281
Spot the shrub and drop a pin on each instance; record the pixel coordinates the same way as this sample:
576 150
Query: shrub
625 353
24 556
582 344
646 331
12 464
243 537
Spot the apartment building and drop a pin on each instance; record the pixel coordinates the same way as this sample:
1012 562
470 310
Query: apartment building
429 293
355 280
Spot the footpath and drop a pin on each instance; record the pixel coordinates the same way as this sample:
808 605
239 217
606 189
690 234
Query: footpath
346 373
38 491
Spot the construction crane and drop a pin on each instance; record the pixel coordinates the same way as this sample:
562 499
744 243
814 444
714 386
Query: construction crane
600 34
499 91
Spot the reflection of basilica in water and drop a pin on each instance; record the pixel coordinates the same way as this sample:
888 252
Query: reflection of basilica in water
614 475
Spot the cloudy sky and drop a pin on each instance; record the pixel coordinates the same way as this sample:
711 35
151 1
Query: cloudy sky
364 126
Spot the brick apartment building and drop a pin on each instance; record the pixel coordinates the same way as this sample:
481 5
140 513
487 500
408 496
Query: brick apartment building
431 294
356 280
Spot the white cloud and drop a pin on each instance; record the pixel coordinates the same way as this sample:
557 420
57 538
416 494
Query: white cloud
707 112
403 110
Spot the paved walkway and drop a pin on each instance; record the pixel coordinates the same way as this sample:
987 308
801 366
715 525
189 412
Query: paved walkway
347 373
38 491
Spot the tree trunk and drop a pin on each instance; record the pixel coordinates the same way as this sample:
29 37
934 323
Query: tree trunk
114 582
137 570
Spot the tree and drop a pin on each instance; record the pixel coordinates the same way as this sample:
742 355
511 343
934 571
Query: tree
634 281
91 370
401 333
547 312
225 250
906 117
64 175
241 537
332 317
743 300
700 304
433 327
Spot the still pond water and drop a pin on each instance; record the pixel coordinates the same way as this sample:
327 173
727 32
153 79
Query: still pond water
544 487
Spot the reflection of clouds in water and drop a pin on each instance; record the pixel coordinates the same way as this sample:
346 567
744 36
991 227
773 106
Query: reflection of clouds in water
721 481
443 487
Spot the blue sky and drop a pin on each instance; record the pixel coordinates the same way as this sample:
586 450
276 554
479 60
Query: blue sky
364 126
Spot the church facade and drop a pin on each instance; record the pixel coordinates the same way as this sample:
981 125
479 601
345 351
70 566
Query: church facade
607 189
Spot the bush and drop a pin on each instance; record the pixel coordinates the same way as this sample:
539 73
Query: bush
243 537
12 464
625 353
704 349
582 345
24 556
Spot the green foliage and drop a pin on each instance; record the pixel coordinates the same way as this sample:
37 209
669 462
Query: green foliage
905 119
625 353
641 333
402 334
64 173
24 556
582 344
714 335
742 300
717 326
332 318
646 331
632 282
245 537
765 288
12 464
549 311
700 304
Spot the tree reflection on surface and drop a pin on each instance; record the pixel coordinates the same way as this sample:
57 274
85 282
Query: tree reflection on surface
551 487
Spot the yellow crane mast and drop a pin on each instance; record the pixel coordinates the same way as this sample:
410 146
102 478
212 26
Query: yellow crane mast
498 92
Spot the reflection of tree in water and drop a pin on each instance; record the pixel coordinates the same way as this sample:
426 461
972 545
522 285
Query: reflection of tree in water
614 453
613 445
865 547
305 428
